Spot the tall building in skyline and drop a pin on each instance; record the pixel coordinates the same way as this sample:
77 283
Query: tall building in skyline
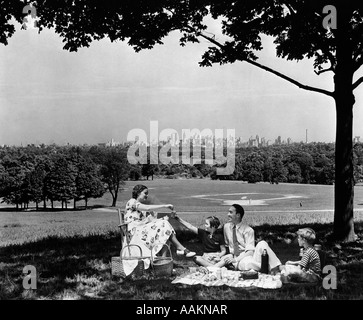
211 140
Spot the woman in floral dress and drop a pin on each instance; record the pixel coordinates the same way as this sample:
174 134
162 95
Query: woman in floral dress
145 228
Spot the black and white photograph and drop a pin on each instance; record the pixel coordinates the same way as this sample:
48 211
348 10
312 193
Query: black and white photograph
181 155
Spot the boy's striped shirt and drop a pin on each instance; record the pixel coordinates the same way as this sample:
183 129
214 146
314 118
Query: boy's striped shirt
311 260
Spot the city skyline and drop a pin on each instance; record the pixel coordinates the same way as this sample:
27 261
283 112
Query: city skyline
261 142
113 142
49 95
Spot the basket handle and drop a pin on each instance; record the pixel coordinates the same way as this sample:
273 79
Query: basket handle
128 247
158 244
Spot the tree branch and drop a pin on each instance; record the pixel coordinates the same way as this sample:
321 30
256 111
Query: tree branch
324 70
358 63
298 84
357 83
256 64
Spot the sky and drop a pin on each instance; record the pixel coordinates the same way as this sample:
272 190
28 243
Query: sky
50 95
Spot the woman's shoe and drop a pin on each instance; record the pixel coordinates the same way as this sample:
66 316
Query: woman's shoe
186 253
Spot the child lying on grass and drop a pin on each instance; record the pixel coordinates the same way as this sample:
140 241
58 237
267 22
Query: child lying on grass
308 269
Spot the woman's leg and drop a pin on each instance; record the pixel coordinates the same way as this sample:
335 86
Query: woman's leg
163 252
180 248
176 242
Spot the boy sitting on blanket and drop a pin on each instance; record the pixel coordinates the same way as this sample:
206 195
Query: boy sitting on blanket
308 269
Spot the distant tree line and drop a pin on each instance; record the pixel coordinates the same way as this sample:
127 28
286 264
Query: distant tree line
42 174
48 173
310 163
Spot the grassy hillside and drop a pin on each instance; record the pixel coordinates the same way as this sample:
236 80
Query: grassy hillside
72 249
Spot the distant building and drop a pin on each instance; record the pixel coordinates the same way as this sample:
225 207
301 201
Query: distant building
278 140
113 143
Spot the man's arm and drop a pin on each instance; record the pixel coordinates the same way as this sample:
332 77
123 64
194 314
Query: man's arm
225 233
249 236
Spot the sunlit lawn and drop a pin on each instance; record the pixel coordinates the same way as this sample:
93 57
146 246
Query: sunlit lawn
72 250
78 267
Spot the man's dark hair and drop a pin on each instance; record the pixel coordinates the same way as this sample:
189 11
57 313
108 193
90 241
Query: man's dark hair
239 209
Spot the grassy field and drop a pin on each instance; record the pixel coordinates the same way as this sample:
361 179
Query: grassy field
195 195
72 249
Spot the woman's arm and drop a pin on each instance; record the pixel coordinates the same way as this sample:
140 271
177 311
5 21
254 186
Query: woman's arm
150 207
187 225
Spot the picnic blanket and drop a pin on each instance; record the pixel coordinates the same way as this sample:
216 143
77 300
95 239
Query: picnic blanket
210 277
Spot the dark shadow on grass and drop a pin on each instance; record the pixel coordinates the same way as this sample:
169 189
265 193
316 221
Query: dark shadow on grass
81 266
58 259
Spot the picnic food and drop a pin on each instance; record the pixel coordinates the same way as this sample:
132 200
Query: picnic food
210 277
251 274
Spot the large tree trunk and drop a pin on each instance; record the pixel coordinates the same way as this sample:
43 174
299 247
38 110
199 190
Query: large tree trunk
344 101
344 181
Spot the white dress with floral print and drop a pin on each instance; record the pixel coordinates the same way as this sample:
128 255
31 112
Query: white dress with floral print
147 234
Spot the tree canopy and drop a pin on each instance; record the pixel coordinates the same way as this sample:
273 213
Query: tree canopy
295 25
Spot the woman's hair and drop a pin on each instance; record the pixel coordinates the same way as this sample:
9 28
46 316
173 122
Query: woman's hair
239 209
137 190
214 222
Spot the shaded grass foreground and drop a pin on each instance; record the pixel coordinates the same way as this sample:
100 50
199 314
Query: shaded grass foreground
78 267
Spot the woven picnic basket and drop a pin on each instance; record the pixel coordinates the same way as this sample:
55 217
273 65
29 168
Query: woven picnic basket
162 265
117 263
